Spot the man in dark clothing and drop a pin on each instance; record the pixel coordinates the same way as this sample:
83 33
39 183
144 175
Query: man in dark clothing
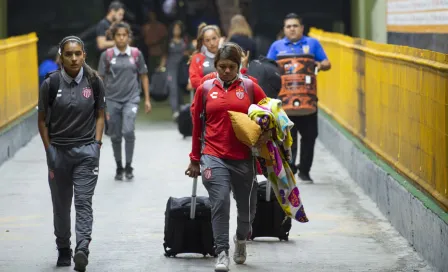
115 14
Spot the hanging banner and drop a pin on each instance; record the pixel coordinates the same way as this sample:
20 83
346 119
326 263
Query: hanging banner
417 16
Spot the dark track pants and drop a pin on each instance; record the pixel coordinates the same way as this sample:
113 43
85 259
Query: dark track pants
225 176
73 170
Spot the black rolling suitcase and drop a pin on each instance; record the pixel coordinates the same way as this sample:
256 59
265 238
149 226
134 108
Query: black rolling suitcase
184 121
188 227
270 219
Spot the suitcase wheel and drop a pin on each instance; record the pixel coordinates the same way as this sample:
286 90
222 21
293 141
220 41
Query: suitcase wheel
168 255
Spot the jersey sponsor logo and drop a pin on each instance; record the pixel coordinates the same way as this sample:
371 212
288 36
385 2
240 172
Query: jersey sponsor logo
87 92
214 95
240 93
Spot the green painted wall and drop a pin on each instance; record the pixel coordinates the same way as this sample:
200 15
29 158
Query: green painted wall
369 19
3 19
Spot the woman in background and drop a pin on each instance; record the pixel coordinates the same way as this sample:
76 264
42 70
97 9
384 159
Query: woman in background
123 67
174 53
241 34
203 59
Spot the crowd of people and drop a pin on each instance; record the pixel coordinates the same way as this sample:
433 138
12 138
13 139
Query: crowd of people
76 104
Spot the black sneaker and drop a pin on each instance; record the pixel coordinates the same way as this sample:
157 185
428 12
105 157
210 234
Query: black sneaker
81 260
65 257
306 179
128 170
119 174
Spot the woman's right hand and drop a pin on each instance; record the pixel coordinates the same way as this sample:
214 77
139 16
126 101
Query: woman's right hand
193 170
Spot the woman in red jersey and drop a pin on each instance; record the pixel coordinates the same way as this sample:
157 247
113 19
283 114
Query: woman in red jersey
226 163
201 62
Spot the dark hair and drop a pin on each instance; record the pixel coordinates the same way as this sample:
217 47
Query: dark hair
229 51
115 5
173 25
293 15
52 52
171 35
89 72
113 29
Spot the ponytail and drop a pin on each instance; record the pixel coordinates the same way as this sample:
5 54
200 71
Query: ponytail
90 73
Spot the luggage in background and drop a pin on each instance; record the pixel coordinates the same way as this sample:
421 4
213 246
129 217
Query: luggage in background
188 227
270 219
159 90
184 121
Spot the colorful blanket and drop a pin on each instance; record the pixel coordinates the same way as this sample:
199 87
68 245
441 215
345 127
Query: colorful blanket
268 113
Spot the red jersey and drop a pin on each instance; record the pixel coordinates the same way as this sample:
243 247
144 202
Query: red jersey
220 140
196 69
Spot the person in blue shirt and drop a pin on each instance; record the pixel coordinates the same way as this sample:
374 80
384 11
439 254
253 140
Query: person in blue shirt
50 64
295 42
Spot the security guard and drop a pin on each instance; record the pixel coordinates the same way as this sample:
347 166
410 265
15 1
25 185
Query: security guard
71 122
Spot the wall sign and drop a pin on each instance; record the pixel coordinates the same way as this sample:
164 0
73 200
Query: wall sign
417 16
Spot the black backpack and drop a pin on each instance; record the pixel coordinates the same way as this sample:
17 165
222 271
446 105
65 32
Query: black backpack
267 72
54 87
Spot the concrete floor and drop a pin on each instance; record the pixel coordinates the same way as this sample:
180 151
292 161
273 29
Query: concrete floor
346 231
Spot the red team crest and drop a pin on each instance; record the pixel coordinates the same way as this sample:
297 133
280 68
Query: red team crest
240 93
87 92
208 173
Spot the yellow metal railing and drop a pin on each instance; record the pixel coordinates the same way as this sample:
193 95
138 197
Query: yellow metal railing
393 98
19 79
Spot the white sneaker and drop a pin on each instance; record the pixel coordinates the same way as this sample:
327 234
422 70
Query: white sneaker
240 254
223 262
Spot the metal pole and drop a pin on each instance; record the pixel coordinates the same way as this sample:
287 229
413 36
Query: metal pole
193 199
268 190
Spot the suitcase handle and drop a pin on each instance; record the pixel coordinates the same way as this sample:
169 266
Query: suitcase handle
268 191
193 198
